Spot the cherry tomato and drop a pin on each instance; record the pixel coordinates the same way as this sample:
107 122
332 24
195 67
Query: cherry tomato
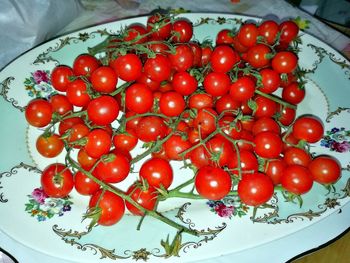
308 128
134 34
38 113
151 128
269 30
199 157
244 160
128 67
325 169
57 180
158 68
217 84
103 110
49 146
197 53
75 133
172 103
85 64
98 143
138 98
61 104
223 58
182 59
125 141
286 115
114 170
226 104
182 31
104 79
205 121
265 124
230 126
160 26
243 89
265 107
84 185
157 172
284 62
270 80
293 93
248 34
77 93
274 169
294 155
60 77
258 56
268 144
201 100
86 162
289 31
212 183
297 179
220 151
68 123
112 207
174 146
184 83
147 198
225 36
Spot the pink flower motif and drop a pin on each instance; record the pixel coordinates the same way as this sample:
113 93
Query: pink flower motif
223 210
341 147
40 76
39 195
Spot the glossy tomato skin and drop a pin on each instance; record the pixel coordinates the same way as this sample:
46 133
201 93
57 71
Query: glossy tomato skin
223 58
212 183
127 67
258 56
84 185
151 128
199 157
60 77
225 36
172 103
85 64
77 93
205 121
157 172
265 107
103 110
294 155
38 113
134 31
325 169
184 83
248 163
49 146
61 104
114 170
268 144
139 98
174 146
248 34
200 101
274 169
289 31
75 133
98 143
220 151
125 141
227 104
112 207
270 80
147 198
217 84
297 179
243 89
86 162
293 93
104 79
265 124
284 62
158 68
182 31
68 123
269 30
255 189
182 59
308 128
57 180
160 26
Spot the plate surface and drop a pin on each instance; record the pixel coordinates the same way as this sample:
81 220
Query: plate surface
54 227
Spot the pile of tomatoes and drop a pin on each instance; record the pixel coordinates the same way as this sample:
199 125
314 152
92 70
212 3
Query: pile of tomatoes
211 106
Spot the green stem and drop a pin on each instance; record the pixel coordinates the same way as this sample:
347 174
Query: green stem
275 99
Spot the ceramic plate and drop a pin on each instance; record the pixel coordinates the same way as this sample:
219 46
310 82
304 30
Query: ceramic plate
54 226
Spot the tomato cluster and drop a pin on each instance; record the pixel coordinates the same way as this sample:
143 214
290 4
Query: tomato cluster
211 106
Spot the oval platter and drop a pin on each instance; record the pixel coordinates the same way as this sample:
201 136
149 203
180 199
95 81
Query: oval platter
54 226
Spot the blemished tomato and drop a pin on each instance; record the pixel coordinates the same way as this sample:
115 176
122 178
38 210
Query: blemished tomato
184 83
182 31
147 198
258 56
85 64
284 62
294 155
255 189
247 34
112 207
151 128
223 58
61 104
308 128
138 98
77 93
49 146
297 179
60 77
104 79
200 101
103 110
268 144
98 143
38 113
84 185
217 84
172 103
157 172
243 89
274 169
158 68
212 183
174 146
128 67
114 170
293 93
57 180
325 169
182 59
